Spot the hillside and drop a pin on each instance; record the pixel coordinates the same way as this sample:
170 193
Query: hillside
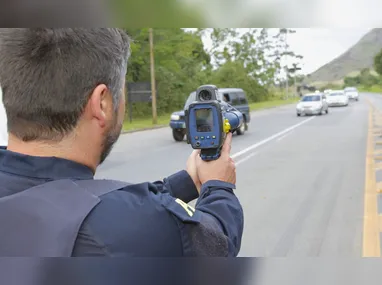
359 56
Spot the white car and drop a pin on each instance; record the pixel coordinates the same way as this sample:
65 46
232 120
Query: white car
337 98
312 104
352 93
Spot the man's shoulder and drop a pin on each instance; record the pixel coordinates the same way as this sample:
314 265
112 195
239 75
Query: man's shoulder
134 219
124 198
140 219
145 199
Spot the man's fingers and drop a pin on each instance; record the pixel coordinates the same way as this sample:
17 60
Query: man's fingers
227 144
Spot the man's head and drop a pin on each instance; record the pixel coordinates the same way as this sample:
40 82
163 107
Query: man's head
65 84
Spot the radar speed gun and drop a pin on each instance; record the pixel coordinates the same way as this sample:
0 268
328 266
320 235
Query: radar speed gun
209 120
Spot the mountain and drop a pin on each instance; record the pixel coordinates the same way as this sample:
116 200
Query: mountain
359 56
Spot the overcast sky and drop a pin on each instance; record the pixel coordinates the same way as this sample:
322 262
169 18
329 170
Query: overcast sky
318 46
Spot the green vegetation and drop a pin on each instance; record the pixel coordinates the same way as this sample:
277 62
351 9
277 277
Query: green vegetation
146 123
250 60
371 89
365 81
273 103
378 62
349 64
164 13
371 82
365 78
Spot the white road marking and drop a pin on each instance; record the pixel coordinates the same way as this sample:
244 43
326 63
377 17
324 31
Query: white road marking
245 158
283 137
256 145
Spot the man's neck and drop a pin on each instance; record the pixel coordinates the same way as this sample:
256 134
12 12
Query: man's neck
64 149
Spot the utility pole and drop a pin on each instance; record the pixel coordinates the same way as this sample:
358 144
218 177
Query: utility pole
152 72
286 59
294 70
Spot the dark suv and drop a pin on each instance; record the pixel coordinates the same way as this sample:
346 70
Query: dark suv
234 96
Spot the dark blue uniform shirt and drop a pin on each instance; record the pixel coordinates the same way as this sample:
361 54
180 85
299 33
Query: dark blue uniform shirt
144 220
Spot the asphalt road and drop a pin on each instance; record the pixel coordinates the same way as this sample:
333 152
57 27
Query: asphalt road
301 180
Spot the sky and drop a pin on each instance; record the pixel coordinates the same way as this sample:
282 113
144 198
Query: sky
341 22
318 46
282 13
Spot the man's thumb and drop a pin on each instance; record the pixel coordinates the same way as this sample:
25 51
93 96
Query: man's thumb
227 144
195 152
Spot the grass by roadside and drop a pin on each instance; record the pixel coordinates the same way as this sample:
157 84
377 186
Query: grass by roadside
144 123
163 120
372 89
272 103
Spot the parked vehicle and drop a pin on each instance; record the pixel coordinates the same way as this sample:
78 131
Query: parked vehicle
236 97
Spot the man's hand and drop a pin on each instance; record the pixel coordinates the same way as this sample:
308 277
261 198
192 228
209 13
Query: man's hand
223 169
191 168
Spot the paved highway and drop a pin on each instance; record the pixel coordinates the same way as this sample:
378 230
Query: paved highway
301 180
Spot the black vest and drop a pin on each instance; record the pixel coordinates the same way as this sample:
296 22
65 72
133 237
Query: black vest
44 221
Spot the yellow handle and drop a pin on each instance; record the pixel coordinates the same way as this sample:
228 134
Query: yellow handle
226 126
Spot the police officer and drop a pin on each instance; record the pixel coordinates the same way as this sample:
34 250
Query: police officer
63 90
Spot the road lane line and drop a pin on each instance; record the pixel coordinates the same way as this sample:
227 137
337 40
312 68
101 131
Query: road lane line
283 137
256 145
245 158
371 234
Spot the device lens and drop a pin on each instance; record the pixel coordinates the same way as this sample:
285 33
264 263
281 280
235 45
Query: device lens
205 95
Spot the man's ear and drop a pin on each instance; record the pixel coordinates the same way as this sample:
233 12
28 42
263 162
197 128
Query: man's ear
99 104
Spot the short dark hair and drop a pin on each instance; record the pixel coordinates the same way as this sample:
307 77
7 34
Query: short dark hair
47 76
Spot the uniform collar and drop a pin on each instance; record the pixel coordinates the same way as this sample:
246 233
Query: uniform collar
42 167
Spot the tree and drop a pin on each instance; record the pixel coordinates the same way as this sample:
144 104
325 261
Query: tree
180 59
254 48
268 57
364 78
247 59
282 50
234 74
378 63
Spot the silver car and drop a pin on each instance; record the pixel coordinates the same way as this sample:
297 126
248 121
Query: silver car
312 104
352 93
338 98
